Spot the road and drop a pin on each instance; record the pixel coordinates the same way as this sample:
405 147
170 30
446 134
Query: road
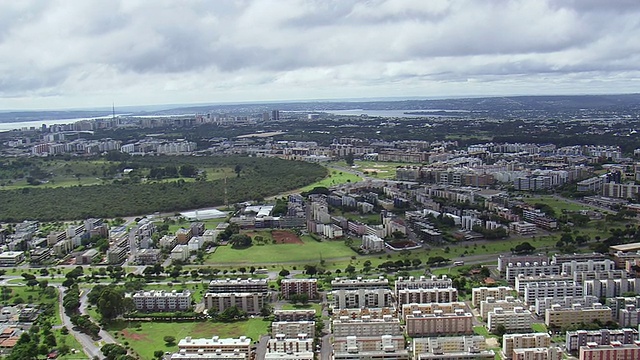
90 348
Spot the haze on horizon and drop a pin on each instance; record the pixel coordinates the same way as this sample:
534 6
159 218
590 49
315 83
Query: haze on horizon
90 53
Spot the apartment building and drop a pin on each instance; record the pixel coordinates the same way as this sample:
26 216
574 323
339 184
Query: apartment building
516 320
541 305
250 303
560 317
283 344
624 307
366 326
547 353
580 257
294 315
463 355
530 269
291 329
307 287
505 260
614 350
160 300
439 323
422 282
373 313
370 347
611 288
359 283
241 345
183 236
345 299
590 265
522 281
238 285
148 256
217 355
553 289
491 304
575 339
511 342
430 308
408 296
482 293
11 258
168 241
581 276
447 344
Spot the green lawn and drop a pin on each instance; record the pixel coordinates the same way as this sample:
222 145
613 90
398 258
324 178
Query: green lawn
335 177
310 251
376 169
557 204
149 336
314 306
481 330
539 327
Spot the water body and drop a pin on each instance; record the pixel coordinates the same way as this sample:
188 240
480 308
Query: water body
392 113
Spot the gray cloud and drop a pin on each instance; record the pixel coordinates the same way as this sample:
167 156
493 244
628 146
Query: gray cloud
61 53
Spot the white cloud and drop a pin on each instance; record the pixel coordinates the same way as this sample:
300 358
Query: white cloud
93 52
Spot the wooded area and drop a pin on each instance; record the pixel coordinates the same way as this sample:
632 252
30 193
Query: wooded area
256 178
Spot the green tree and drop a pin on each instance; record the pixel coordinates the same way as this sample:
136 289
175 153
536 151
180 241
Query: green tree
169 340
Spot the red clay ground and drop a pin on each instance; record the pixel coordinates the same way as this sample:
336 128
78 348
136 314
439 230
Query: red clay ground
132 335
285 237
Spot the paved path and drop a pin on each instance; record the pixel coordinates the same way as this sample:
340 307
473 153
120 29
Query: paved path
90 348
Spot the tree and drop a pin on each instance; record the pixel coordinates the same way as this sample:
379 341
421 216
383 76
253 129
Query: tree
169 340
113 351
310 270
158 354
240 240
349 159
111 304
284 273
188 170
350 270
237 170
524 248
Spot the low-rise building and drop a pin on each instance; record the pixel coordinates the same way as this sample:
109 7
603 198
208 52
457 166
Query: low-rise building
575 339
294 315
430 308
561 317
439 323
463 355
366 326
376 347
511 342
422 282
615 350
307 287
282 344
292 329
346 299
436 295
517 320
447 345
541 305
241 345
87 257
148 256
11 258
482 293
547 353
611 288
180 253
507 304
160 300
238 285
552 289
250 303
360 283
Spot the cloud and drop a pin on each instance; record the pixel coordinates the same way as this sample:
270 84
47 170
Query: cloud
88 53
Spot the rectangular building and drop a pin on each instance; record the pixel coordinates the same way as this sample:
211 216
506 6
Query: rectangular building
408 296
482 293
575 339
511 342
239 285
517 320
241 345
613 351
553 289
292 329
361 298
564 317
439 323
307 287
250 303
160 300
366 326
370 347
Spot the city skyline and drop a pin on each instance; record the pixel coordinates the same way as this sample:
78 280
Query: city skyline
92 54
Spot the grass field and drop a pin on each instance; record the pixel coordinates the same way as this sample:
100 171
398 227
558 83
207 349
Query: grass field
335 177
557 204
314 306
148 337
375 169
539 327
311 251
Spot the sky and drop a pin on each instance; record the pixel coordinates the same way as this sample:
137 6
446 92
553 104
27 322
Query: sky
89 53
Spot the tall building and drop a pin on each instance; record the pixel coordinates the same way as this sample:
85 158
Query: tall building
439 323
307 287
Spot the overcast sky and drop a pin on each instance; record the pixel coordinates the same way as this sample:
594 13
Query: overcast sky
85 53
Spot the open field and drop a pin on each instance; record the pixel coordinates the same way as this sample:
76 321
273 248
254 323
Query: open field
376 169
558 205
310 250
147 337
335 177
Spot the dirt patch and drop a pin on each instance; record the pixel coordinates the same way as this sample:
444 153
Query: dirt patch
285 237
133 336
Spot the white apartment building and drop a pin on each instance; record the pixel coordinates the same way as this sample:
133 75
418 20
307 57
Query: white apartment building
161 300
590 265
447 344
439 323
522 281
241 345
482 293
491 304
238 285
548 353
530 269
553 289
422 282
541 305
611 288
282 344
375 347
575 339
372 243
516 320
431 308
360 283
345 299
